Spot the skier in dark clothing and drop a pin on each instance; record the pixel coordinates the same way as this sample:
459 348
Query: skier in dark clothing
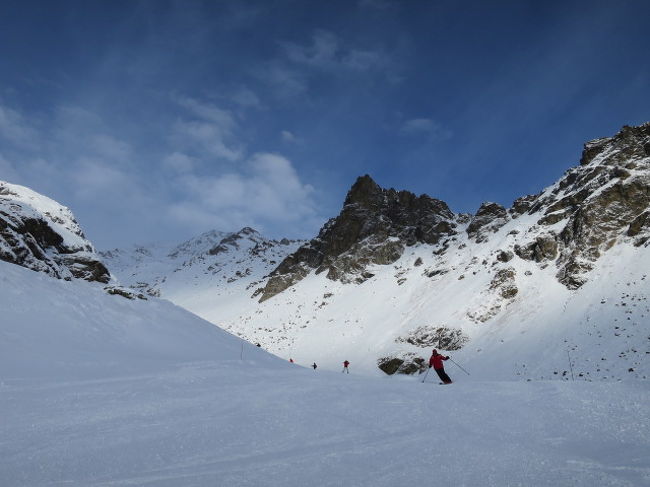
436 362
314 365
345 367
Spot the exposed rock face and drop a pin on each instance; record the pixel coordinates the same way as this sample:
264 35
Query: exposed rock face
594 205
374 227
38 233
488 219
544 247
440 337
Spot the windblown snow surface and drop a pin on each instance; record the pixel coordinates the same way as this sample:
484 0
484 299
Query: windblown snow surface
98 390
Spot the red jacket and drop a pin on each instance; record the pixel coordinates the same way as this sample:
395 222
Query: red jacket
436 361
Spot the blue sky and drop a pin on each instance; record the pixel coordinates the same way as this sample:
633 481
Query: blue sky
157 120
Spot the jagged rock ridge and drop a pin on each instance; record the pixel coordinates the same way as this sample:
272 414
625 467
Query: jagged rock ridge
374 227
604 199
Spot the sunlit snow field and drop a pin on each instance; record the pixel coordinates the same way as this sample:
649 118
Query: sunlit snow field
239 423
97 390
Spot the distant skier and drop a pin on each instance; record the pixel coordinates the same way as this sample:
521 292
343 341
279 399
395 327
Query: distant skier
314 365
259 346
436 362
345 367
291 360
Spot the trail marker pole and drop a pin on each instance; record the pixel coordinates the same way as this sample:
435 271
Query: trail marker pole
459 366
570 366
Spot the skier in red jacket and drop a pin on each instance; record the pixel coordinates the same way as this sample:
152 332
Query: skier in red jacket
436 362
345 367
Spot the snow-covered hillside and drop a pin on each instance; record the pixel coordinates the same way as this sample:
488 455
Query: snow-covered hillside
99 390
69 329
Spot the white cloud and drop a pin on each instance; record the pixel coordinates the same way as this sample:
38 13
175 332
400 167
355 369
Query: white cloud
208 112
426 126
179 162
268 192
212 128
93 177
287 136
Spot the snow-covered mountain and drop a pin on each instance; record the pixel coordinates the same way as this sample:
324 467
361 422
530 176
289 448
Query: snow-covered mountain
554 285
213 275
40 234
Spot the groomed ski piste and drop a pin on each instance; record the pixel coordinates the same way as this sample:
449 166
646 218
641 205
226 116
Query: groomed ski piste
98 390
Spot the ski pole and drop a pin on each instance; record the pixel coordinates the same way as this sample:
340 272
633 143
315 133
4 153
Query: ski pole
425 375
459 366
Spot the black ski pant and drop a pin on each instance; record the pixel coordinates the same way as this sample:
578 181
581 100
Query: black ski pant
443 376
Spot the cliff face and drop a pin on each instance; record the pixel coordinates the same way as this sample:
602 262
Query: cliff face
38 233
603 201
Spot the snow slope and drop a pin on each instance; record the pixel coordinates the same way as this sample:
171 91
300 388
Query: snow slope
99 390
56 328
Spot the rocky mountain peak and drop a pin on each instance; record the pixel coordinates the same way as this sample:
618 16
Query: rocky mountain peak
628 143
374 227
364 192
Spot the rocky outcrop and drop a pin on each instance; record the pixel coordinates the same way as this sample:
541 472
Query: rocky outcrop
488 219
440 337
374 228
38 233
405 363
603 200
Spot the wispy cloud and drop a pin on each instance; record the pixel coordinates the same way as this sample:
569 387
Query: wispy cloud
426 127
246 98
287 136
327 51
13 126
285 81
208 127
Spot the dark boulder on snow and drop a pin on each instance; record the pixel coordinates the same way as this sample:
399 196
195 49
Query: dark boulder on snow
407 364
